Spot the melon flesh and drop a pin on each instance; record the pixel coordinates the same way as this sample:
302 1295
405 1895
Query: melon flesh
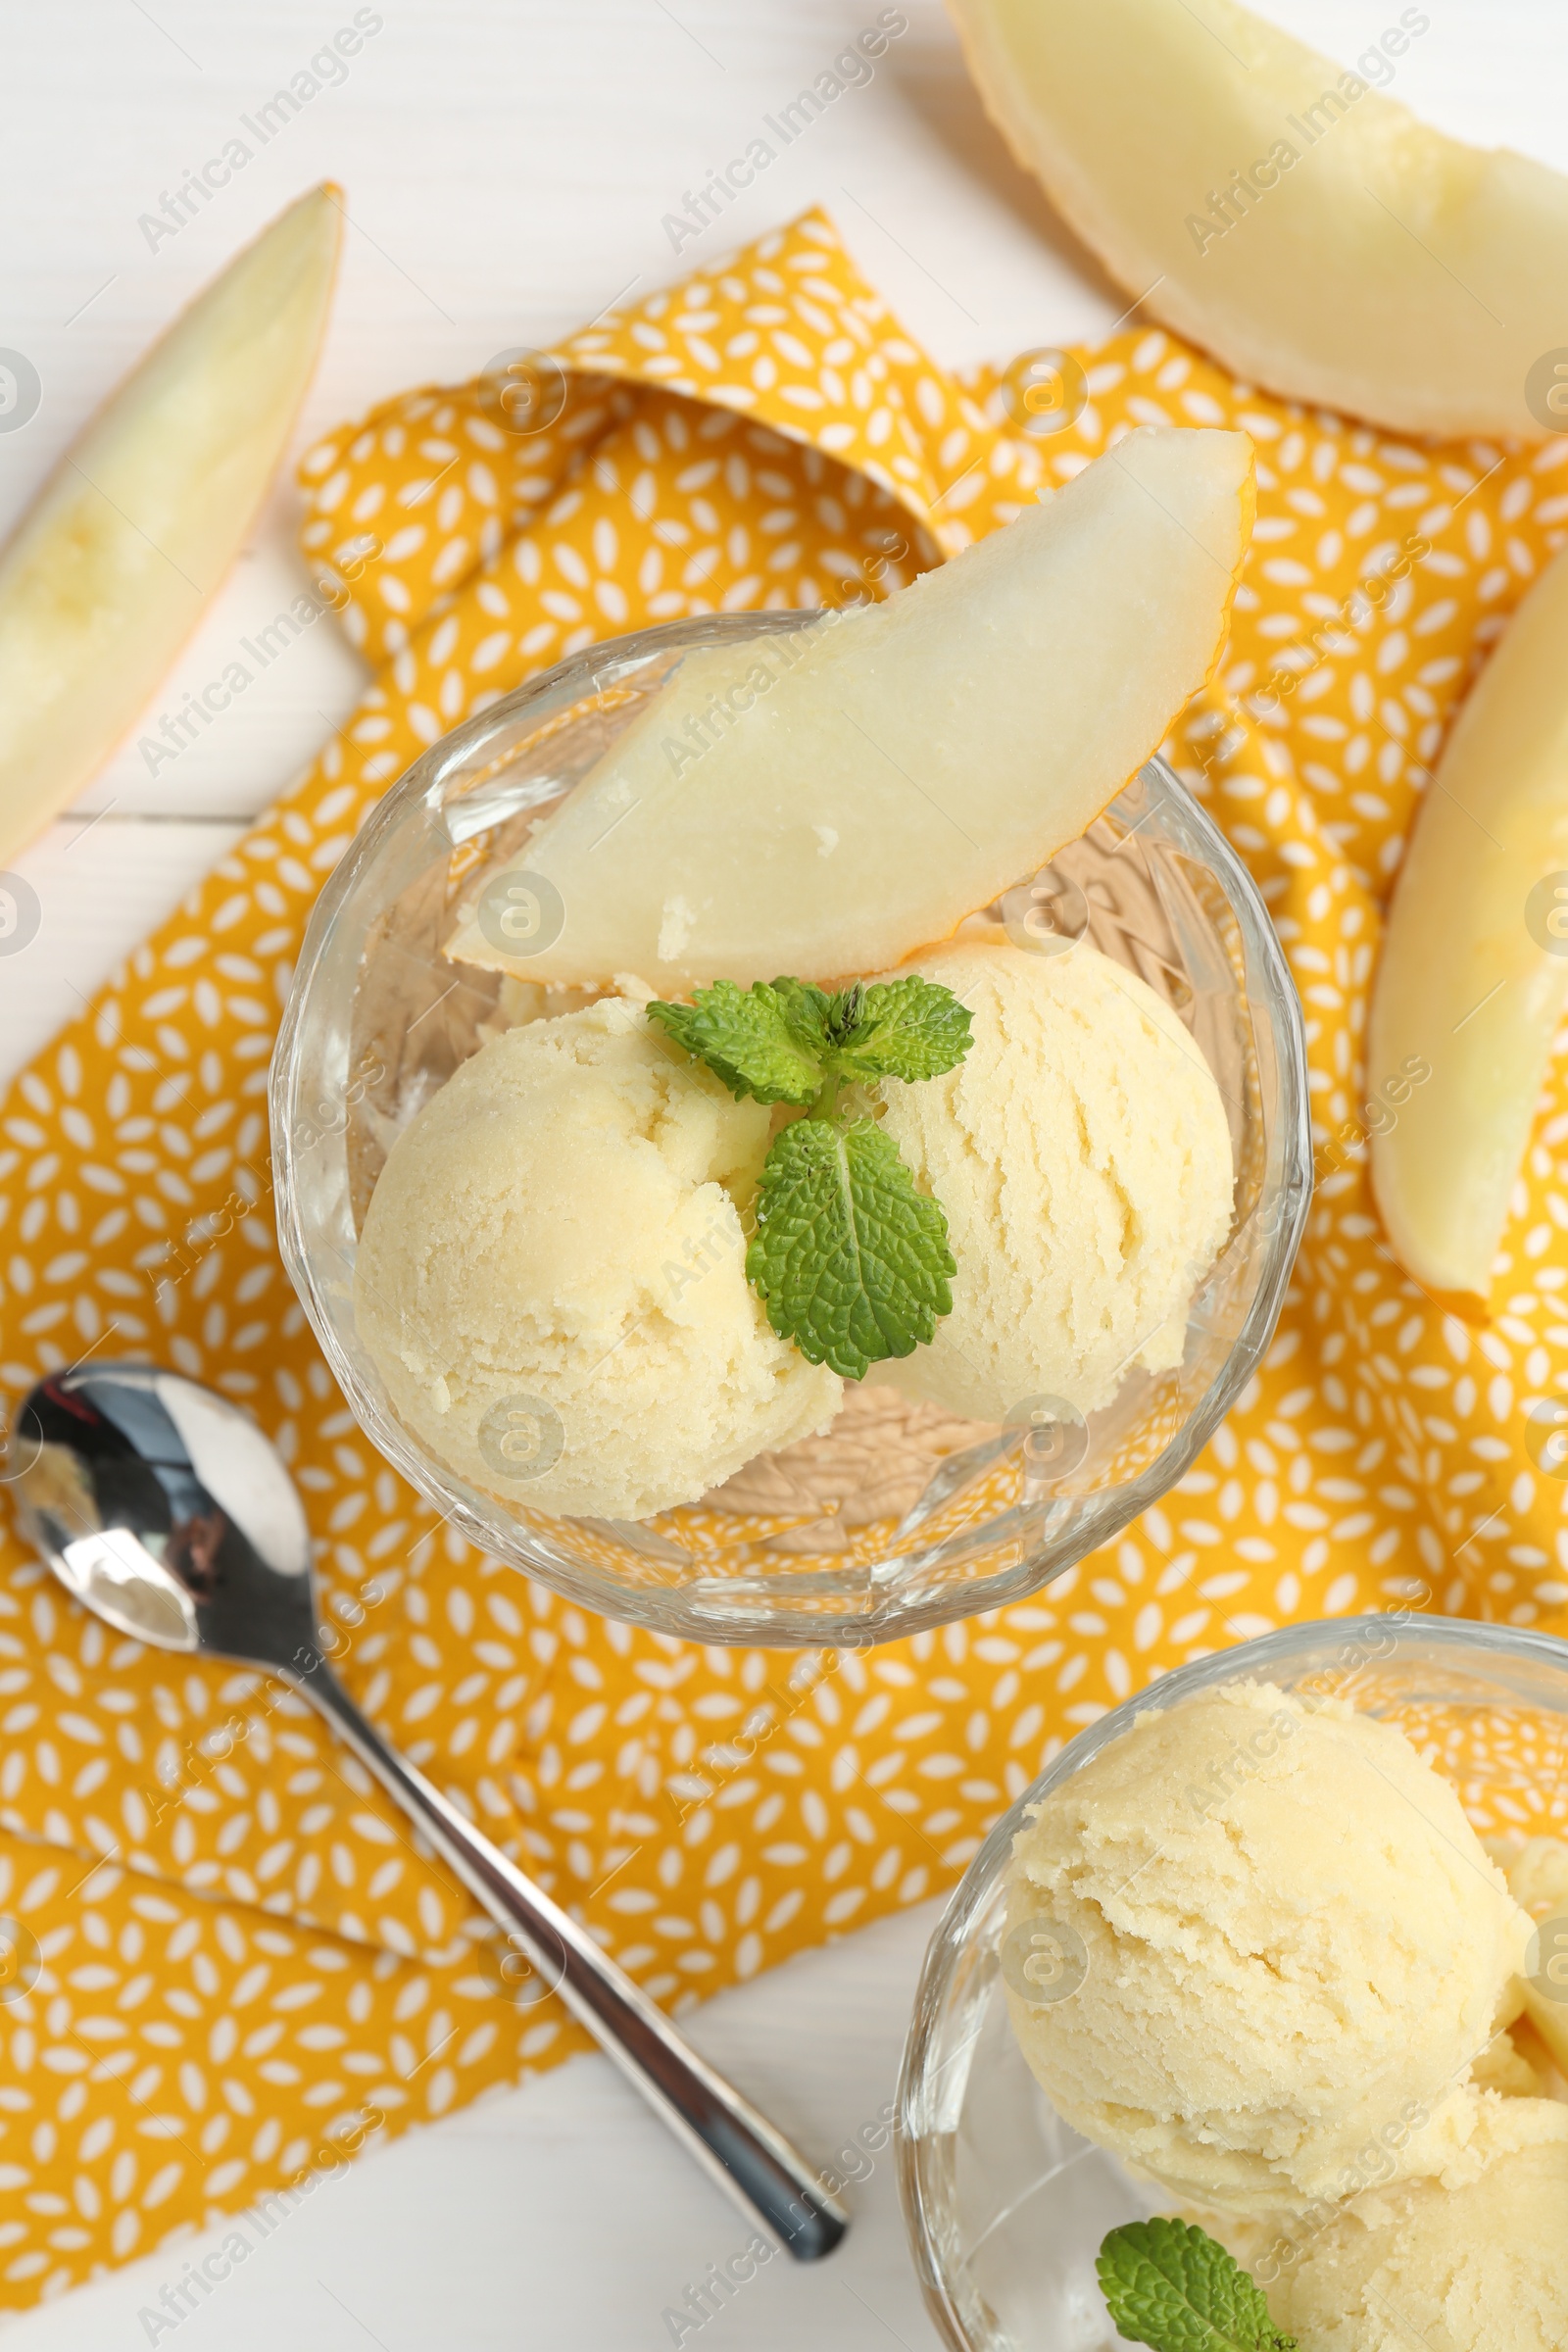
115 562
897 766
1373 265
1471 981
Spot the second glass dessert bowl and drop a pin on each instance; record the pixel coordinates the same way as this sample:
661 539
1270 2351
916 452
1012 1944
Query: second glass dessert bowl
1004 2202
888 1523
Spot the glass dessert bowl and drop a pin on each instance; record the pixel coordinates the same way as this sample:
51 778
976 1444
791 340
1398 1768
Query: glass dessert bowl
1005 2203
902 1514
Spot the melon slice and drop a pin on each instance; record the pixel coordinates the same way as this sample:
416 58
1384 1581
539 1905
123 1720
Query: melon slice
826 801
116 561
1475 960
1309 232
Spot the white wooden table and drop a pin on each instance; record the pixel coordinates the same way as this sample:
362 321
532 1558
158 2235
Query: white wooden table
507 165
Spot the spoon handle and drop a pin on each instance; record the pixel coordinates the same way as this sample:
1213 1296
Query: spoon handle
770 2180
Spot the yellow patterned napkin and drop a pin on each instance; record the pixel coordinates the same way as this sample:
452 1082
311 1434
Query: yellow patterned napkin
234 1966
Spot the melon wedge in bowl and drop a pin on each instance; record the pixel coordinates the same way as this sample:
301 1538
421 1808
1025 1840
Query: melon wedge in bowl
1285 212
827 803
530 1230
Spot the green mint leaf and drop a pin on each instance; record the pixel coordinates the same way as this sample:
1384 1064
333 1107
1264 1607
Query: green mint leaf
1170 2284
851 1262
911 1028
807 1012
758 1038
783 1040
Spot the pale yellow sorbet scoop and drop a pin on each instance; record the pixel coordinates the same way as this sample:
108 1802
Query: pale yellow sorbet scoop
551 1275
1482 2267
1082 1154
1296 1949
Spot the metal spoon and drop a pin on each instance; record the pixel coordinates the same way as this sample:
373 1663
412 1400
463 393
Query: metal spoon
167 1512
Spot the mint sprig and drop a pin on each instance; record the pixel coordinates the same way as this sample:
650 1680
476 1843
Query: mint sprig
785 1041
851 1262
1168 2283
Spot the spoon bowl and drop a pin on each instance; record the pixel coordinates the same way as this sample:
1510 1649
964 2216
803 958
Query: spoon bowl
163 1508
